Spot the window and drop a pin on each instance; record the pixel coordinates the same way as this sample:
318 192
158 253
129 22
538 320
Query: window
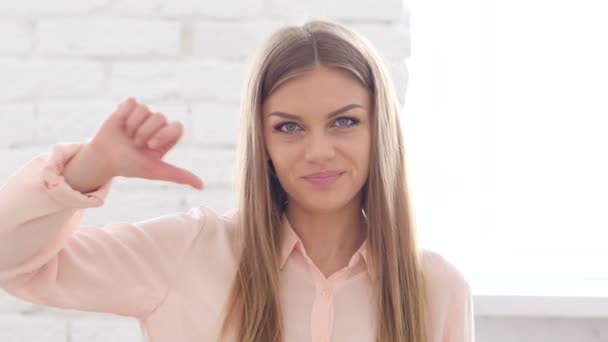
506 121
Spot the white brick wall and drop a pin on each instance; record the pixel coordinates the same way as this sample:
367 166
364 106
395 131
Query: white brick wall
65 64
108 37
38 78
18 37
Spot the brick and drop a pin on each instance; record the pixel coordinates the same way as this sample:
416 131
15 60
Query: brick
30 8
122 329
193 8
388 10
215 123
229 40
15 38
157 81
213 80
32 79
24 328
108 37
18 123
70 120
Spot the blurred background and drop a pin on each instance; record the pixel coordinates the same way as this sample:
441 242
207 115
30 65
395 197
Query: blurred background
504 113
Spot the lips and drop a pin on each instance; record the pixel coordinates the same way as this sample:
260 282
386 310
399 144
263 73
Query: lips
323 175
324 178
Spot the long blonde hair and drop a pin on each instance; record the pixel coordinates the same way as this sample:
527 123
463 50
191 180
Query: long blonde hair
254 309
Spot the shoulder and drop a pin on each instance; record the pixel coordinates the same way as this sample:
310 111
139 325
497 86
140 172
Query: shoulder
449 300
218 232
442 277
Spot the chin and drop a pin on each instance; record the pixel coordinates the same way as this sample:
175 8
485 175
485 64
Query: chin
325 202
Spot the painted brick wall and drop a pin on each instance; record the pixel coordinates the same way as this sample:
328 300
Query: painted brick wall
64 66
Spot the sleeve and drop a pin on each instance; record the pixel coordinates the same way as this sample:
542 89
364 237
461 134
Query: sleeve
459 325
47 257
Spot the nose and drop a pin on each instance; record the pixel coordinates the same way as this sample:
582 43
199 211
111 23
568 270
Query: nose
319 148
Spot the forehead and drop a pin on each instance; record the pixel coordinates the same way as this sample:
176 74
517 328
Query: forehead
319 90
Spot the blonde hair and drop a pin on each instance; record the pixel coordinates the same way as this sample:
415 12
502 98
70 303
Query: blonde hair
254 308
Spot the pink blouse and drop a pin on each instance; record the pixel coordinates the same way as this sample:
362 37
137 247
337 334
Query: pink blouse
172 273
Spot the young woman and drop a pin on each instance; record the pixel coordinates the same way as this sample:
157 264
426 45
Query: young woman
321 247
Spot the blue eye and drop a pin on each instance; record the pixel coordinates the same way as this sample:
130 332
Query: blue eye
290 127
346 120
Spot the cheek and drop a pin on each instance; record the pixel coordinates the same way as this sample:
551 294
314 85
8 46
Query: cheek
284 157
359 149
273 145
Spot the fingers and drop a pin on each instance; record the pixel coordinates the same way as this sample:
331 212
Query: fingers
168 172
136 118
153 123
141 124
125 108
167 136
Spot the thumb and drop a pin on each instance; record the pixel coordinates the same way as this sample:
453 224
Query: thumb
167 172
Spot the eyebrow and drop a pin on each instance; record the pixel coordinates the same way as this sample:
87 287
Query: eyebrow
329 116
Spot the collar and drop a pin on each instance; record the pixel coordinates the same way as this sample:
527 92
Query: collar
290 242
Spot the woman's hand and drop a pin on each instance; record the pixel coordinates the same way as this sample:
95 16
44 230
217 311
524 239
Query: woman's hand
132 141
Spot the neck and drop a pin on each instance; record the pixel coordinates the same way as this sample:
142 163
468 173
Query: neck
329 237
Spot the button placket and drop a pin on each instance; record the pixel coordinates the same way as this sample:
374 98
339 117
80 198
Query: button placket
326 293
322 312
327 296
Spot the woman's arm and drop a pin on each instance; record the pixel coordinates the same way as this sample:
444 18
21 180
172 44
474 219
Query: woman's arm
47 257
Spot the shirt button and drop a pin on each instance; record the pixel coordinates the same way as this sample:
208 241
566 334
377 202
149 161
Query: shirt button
326 293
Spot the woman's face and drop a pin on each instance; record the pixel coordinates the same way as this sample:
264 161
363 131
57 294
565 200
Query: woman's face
317 121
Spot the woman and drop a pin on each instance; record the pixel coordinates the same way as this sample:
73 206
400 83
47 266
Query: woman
321 247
